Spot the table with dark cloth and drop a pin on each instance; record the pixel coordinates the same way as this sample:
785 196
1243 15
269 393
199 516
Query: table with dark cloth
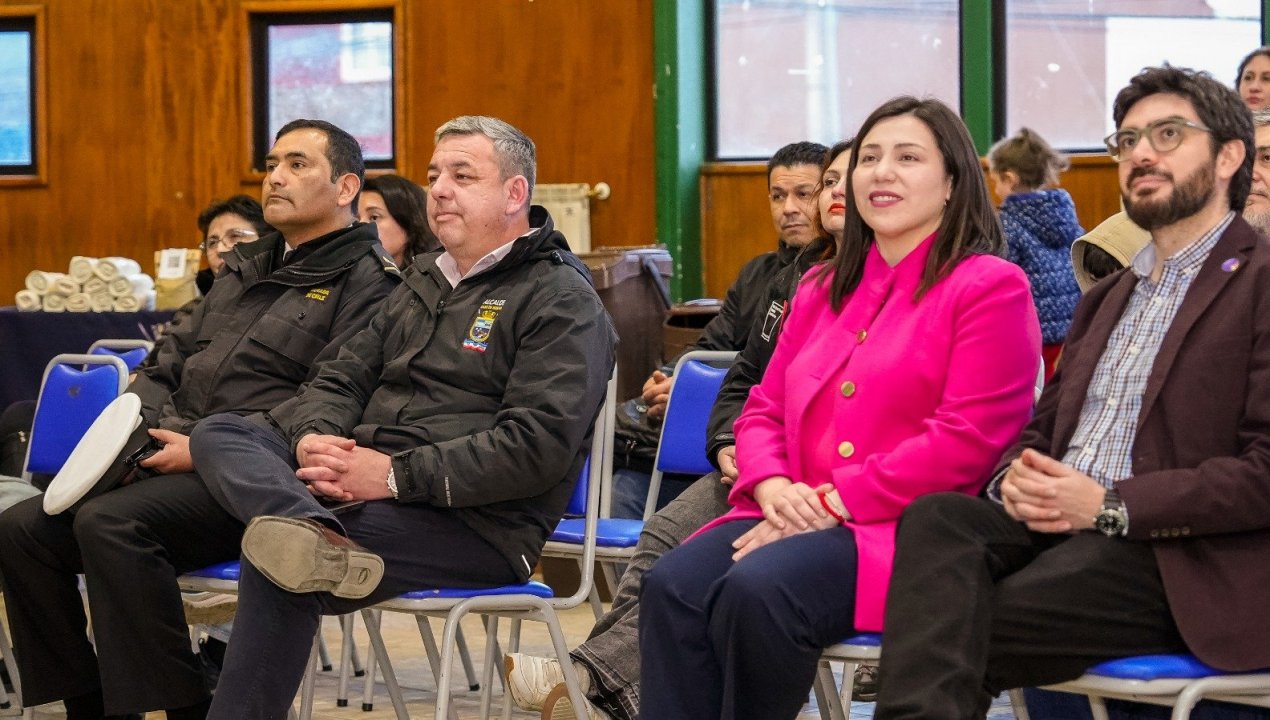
28 340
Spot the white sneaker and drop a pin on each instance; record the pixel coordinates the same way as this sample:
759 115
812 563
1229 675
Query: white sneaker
558 706
531 678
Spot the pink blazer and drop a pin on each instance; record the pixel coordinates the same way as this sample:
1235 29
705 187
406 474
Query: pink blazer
941 388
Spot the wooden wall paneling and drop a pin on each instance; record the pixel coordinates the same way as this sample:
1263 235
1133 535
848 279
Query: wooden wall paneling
147 117
735 225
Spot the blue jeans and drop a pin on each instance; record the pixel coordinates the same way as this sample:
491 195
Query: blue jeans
630 491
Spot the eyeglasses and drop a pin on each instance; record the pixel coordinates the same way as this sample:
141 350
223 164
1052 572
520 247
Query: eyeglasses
1163 135
229 240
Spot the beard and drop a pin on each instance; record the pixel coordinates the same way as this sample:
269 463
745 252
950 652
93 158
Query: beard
1258 218
1188 198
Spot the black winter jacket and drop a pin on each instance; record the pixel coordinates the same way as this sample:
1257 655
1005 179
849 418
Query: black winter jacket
260 332
747 369
484 394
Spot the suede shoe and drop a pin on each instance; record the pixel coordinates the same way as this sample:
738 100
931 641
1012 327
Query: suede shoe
558 706
530 678
303 555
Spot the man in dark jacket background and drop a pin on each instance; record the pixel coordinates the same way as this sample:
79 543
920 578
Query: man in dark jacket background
283 303
460 418
793 180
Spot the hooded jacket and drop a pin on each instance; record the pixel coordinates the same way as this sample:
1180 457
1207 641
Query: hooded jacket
260 332
1040 228
484 393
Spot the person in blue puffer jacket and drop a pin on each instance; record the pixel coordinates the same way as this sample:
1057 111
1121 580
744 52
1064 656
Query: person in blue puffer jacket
1040 226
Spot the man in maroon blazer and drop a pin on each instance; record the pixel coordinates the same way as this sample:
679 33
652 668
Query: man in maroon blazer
1133 517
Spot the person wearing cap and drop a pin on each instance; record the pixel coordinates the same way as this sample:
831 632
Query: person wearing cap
1106 249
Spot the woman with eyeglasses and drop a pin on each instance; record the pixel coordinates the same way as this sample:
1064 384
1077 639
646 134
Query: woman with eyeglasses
905 367
224 224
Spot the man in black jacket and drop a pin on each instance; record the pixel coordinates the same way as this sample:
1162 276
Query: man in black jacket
459 420
283 303
793 178
608 662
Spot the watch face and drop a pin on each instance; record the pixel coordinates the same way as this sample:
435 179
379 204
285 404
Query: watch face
1109 521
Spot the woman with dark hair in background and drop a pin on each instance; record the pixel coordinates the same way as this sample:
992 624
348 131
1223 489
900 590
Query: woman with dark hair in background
1253 79
905 367
399 208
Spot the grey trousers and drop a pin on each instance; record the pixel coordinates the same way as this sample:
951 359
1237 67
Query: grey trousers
611 653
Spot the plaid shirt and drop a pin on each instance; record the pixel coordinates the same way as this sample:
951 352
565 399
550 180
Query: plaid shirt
1102 446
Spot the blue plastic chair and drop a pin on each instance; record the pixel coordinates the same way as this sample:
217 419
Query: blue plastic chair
74 391
131 351
682 449
1177 681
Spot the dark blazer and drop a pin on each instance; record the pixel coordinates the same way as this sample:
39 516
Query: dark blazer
1200 490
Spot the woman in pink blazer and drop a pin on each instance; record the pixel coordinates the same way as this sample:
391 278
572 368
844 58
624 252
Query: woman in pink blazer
905 368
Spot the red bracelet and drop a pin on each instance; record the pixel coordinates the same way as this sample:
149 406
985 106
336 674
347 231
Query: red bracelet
824 500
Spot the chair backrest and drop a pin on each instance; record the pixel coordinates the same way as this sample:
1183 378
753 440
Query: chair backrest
131 351
74 391
682 448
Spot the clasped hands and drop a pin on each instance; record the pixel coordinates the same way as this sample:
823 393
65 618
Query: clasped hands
788 508
1049 496
338 468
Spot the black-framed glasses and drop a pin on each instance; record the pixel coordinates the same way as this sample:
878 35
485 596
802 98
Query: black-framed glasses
1163 135
229 240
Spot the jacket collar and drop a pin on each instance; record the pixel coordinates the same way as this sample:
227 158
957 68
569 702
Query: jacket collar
257 262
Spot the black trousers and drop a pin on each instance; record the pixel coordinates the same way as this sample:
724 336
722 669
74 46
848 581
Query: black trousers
979 604
250 469
730 640
130 544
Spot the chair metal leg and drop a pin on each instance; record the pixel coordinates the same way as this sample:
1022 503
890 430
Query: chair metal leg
1098 708
368 686
323 655
381 654
346 658
562 654
832 701
466 658
309 682
6 649
513 645
1018 703
491 633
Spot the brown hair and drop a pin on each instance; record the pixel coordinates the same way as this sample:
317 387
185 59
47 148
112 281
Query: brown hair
1030 157
969 225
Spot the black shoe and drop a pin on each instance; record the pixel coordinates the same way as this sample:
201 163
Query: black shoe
211 657
865 687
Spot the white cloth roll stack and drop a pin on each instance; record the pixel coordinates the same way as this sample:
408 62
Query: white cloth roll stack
110 268
82 268
28 300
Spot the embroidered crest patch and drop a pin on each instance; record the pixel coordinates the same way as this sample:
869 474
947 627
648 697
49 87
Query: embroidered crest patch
482 325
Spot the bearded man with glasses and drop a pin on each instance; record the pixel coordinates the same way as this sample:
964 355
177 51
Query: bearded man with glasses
1132 517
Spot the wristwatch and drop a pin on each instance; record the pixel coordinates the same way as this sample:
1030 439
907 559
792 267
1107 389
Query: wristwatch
1111 519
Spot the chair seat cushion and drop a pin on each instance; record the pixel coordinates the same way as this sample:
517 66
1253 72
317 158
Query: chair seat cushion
220 571
1155 667
866 639
533 587
610 532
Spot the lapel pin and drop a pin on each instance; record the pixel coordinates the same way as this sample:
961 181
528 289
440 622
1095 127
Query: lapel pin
1231 265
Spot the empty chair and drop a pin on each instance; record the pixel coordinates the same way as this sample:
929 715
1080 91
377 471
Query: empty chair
74 391
131 351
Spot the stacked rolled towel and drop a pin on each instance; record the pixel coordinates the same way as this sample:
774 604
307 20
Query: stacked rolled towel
29 300
137 283
79 302
54 303
110 268
82 269
65 286
102 302
41 282
95 286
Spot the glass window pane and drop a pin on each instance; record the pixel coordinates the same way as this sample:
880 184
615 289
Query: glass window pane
1066 60
339 72
814 69
15 99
